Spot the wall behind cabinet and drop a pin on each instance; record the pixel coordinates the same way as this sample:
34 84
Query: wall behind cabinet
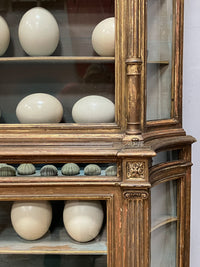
191 113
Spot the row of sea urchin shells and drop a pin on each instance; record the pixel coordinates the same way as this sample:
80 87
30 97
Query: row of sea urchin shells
23 169
71 169
68 169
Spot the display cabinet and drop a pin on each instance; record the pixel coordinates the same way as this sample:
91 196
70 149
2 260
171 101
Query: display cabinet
95 165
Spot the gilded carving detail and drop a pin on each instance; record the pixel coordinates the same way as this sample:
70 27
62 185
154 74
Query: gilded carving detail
136 195
135 170
134 69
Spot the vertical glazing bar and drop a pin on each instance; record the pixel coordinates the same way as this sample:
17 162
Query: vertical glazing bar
135 25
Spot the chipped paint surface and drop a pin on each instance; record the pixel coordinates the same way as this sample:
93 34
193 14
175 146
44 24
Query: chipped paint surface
56 242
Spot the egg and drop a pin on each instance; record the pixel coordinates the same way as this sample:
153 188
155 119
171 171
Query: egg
83 219
39 108
103 37
93 109
4 36
38 32
31 219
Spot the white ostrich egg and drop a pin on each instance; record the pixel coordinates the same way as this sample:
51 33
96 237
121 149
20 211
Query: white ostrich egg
103 37
39 108
38 32
31 219
93 109
4 36
83 219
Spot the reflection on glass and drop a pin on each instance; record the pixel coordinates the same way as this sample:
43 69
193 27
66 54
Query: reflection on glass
159 59
70 170
52 261
76 21
165 156
62 249
164 224
163 202
68 82
163 246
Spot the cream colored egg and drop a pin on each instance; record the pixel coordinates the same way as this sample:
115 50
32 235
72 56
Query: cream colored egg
103 37
38 32
39 108
31 219
4 36
93 109
83 219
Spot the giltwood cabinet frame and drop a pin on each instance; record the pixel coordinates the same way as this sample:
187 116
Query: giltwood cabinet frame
147 153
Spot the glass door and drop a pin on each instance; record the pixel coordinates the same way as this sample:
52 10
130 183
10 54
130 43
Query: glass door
160 59
71 83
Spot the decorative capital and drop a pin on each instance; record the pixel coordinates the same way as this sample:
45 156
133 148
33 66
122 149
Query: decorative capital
136 195
135 170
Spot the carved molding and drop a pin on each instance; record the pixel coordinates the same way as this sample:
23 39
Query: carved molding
136 195
135 170
134 69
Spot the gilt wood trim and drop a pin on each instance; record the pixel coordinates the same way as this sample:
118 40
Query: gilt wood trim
135 24
136 195
136 228
135 170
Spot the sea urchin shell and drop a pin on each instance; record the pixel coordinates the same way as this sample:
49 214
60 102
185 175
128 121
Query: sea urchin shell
111 171
26 169
92 170
70 169
49 170
7 170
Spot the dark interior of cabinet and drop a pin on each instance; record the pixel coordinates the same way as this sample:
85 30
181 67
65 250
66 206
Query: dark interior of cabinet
53 261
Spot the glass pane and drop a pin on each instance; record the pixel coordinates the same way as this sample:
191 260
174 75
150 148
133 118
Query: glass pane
62 170
159 59
68 83
68 227
52 261
163 246
165 156
75 75
164 224
163 202
76 21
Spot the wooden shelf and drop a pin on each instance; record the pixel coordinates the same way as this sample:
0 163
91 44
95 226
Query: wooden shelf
58 59
162 62
56 242
163 221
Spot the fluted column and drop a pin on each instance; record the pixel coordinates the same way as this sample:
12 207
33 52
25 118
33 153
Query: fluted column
135 35
136 228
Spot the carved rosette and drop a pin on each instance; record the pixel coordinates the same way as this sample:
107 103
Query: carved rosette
135 170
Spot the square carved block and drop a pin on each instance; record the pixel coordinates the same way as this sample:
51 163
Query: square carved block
135 170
